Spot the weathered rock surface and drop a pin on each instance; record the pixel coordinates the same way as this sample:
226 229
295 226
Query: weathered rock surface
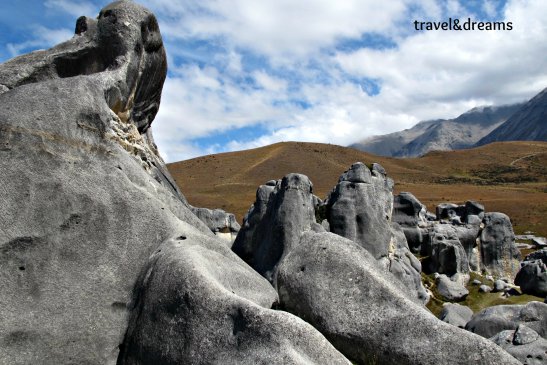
524 344
493 320
86 200
334 284
537 255
222 224
446 254
196 302
532 278
360 207
456 314
499 253
450 290
275 222
411 215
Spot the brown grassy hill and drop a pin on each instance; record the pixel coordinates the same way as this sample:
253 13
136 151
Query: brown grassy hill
509 177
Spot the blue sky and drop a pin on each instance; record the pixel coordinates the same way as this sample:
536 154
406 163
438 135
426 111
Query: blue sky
246 73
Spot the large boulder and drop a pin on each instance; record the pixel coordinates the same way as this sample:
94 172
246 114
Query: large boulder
335 284
499 254
360 207
196 302
532 278
445 254
86 201
275 222
493 320
524 344
453 291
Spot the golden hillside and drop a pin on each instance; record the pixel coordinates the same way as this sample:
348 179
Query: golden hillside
509 177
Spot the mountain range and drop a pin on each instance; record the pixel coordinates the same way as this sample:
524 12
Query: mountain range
476 127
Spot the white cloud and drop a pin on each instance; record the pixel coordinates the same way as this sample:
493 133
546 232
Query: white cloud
314 95
43 37
74 8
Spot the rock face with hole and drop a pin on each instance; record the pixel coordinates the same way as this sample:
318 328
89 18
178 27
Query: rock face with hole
335 284
196 302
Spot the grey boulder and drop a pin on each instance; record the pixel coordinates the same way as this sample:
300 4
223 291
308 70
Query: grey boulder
524 344
335 284
493 320
275 222
197 303
450 290
499 253
222 224
532 278
456 314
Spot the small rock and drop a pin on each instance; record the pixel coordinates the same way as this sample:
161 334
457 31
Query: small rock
524 335
451 290
485 289
499 285
490 277
476 282
456 314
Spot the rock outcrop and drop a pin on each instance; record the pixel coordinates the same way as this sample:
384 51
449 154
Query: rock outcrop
86 202
492 320
282 211
196 302
334 284
499 253
532 278
524 344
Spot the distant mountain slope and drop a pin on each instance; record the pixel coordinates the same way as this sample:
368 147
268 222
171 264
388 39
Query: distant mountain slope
529 123
441 134
510 177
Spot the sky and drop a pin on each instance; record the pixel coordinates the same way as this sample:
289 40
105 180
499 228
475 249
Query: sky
248 73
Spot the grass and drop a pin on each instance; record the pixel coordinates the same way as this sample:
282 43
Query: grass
499 176
476 300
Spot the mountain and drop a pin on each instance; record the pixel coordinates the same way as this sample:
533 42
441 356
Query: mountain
440 134
528 123
508 177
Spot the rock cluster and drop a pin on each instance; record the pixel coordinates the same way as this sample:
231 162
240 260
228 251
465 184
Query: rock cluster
350 283
103 260
461 238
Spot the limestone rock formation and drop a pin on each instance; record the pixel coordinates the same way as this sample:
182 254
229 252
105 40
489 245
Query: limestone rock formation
456 314
411 215
360 208
499 253
275 222
334 284
222 224
532 278
524 344
446 254
451 290
86 201
196 302
493 320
